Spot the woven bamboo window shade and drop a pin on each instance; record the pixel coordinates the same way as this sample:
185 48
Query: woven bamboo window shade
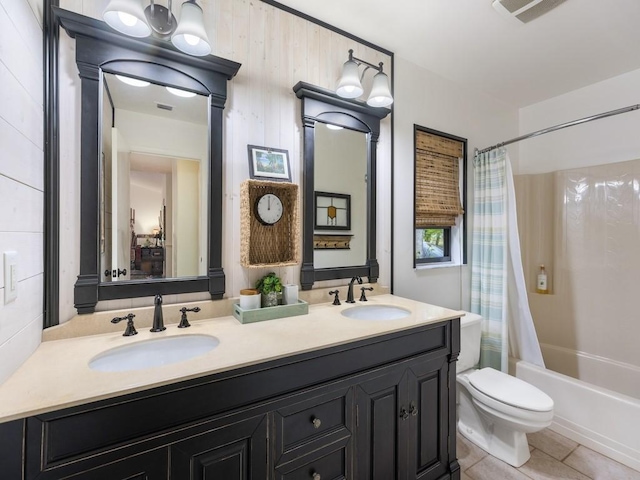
437 195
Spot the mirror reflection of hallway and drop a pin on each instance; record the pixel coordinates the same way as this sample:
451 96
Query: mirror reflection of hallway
154 183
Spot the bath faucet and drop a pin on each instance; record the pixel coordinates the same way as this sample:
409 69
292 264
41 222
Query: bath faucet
350 291
130 330
336 299
158 321
184 323
363 297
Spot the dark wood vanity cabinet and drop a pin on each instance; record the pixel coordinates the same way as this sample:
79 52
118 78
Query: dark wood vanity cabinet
377 409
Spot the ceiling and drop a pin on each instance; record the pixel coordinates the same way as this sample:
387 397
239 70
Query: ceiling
574 45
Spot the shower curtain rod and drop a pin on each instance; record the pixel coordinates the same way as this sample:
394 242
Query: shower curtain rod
558 127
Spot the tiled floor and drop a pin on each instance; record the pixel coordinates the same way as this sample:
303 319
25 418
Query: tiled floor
552 457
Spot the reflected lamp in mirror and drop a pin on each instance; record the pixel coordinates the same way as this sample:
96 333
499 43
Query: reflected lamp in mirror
187 35
350 84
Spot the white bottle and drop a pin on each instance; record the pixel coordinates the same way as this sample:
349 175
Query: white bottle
542 281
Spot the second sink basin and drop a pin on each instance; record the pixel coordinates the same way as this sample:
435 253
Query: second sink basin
153 353
376 312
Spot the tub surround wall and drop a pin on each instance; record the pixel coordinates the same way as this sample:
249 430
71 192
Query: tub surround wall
584 225
276 50
21 178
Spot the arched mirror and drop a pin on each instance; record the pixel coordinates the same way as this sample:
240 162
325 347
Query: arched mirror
151 160
339 203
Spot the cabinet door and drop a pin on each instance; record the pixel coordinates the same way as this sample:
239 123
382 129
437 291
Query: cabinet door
381 432
236 451
152 465
428 420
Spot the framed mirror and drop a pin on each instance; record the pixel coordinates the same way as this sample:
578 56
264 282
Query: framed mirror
151 166
339 199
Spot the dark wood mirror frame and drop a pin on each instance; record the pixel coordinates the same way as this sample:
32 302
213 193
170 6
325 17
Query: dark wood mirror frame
321 105
98 49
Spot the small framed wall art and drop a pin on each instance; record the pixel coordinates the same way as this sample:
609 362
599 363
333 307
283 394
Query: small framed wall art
333 211
269 164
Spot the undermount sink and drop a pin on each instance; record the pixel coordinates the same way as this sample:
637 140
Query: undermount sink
153 353
376 312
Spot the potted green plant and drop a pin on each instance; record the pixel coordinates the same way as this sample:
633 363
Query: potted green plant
269 286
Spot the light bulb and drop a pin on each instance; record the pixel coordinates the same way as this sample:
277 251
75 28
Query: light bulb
127 19
349 88
191 39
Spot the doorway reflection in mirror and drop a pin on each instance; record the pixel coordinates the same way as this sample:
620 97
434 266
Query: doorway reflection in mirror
156 150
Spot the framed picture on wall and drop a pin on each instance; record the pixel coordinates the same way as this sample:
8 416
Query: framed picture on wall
332 211
269 164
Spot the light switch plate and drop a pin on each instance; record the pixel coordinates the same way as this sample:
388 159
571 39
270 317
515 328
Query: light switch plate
10 276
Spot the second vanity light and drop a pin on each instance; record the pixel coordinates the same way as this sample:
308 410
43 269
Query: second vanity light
350 85
187 34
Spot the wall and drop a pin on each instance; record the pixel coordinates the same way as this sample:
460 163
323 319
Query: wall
276 50
423 98
586 229
21 178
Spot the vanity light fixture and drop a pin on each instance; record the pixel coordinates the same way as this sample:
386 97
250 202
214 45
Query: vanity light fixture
350 85
180 93
187 34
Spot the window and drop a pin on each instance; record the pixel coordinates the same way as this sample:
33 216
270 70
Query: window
439 179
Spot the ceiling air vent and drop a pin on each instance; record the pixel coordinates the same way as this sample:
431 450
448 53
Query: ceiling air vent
163 106
525 10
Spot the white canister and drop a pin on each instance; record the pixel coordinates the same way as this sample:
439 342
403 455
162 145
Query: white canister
249 299
290 294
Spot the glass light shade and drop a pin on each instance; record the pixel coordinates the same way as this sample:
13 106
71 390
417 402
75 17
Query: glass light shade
180 93
349 85
134 82
127 16
190 36
380 95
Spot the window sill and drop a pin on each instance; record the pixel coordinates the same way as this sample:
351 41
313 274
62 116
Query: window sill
429 266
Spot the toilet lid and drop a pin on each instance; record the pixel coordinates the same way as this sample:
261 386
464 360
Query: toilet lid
510 390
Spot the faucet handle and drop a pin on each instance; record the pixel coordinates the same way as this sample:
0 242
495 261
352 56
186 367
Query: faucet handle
363 297
131 329
336 300
184 323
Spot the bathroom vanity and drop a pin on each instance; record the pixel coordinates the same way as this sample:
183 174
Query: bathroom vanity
378 406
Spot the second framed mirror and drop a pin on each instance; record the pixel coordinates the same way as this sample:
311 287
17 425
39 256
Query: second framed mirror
339 198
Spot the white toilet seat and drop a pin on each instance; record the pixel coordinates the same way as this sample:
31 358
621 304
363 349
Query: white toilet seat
504 410
510 390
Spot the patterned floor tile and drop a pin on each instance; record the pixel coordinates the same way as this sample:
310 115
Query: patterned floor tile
598 466
544 467
552 443
490 468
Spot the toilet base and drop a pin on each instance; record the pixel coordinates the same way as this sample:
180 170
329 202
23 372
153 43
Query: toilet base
503 443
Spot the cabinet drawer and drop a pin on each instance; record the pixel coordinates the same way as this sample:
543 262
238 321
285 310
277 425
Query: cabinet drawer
332 466
305 425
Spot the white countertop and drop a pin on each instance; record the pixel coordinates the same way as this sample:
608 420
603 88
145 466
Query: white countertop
57 375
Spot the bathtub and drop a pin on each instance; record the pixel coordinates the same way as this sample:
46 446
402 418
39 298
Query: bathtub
600 419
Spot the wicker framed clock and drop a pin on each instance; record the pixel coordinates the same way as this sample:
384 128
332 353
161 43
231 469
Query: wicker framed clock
270 224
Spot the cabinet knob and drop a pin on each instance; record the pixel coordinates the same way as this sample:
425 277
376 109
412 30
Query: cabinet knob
316 424
404 414
316 476
412 409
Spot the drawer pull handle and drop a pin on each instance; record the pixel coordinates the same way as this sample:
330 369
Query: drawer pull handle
316 424
316 476
412 409
404 414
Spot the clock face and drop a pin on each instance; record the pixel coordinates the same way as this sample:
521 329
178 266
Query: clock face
269 209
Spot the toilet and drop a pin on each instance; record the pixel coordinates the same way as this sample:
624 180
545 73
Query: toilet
496 410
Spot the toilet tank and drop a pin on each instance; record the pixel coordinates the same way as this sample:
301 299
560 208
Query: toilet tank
470 331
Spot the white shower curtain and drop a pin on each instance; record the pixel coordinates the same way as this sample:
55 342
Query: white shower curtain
498 290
